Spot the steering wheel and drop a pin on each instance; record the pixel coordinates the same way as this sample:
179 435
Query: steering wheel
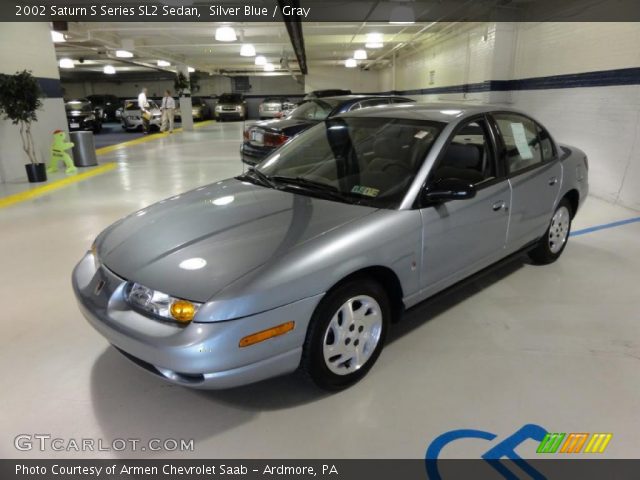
402 165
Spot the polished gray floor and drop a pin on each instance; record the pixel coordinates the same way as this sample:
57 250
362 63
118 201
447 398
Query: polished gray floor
556 346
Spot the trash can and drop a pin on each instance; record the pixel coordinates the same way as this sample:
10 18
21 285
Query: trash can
84 150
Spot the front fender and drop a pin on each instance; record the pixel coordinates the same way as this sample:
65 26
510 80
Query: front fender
387 238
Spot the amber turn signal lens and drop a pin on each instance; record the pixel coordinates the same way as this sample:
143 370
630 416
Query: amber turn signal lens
183 311
267 334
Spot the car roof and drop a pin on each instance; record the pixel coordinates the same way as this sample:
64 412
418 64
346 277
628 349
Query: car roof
346 98
439 112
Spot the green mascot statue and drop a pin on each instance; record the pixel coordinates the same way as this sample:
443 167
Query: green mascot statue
59 148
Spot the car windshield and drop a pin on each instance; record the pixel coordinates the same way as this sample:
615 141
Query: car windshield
313 110
230 98
78 106
370 161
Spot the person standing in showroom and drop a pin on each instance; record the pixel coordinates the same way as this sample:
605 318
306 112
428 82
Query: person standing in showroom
145 114
168 109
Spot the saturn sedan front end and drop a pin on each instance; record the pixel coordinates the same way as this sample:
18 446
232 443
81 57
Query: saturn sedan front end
192 353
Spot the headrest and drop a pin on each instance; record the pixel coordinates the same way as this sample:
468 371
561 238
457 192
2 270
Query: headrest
462 156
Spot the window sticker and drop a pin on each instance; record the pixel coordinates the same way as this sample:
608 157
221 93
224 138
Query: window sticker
520 138
421 134
366 191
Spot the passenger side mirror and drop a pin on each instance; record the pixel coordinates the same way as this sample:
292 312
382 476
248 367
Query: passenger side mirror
448 189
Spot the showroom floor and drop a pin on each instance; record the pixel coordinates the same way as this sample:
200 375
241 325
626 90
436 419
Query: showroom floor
555 346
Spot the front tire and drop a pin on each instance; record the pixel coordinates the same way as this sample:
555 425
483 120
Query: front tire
346 334
554 241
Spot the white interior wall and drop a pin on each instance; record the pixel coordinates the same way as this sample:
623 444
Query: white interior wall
354 79
28 46
604 121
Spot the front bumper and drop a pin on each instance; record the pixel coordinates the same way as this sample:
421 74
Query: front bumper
81 123
199 355
234 115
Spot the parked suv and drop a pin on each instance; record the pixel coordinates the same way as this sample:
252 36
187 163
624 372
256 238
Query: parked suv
231 106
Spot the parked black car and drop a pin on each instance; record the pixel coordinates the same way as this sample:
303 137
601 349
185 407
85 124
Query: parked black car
262 138
82 115
108 103
331 92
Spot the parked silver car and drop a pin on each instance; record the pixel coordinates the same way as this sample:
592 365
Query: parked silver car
305 260
271 107
130 118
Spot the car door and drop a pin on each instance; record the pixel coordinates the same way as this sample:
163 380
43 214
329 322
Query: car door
461 237
534 172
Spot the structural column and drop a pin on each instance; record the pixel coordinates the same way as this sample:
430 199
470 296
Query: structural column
28 46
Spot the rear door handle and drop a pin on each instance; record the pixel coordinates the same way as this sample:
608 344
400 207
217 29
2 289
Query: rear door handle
553 181
499 205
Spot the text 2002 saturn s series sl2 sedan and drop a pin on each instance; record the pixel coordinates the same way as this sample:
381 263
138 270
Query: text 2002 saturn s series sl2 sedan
303 262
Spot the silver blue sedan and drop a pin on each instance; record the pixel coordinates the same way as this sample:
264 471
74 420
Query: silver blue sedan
303 262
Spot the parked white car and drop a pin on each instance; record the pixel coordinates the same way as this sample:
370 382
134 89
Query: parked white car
131 119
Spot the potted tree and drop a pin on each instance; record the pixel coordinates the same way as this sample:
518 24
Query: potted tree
20 97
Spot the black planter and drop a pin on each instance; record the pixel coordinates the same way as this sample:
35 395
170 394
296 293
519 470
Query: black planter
36 172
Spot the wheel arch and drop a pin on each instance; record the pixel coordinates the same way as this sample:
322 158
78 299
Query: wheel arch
388 279
573 196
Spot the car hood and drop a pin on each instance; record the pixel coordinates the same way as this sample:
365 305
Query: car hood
234 226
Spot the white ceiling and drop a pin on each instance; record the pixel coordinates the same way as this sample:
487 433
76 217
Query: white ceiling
193 44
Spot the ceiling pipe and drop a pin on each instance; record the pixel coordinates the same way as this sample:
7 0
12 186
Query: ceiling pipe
294 28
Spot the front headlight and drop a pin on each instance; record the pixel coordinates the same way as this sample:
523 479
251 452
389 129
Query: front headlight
219 108
238 109
160 304
90 118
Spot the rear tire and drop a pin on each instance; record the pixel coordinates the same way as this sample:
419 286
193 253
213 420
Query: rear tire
554 240
346 334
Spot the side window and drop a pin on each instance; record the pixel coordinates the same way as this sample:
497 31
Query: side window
469 155
520 136
546 145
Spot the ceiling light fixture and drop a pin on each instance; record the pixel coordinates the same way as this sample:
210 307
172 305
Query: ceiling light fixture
57 37
374 40
109 70
225 34
350 63
164 63
66 63
191 69
123 54
360 54
247 50
260 60
268 67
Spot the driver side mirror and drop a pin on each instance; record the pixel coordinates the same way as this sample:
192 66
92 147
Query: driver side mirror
448 189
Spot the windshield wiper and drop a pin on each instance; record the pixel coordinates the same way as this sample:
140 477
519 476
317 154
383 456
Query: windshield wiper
263 178
326 190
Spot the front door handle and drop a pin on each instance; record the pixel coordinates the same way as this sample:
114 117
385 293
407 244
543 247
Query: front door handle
499 205
553 181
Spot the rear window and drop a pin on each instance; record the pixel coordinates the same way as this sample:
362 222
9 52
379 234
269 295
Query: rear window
313 110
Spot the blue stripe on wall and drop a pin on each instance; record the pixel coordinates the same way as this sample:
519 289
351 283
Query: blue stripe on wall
51 87
603 78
